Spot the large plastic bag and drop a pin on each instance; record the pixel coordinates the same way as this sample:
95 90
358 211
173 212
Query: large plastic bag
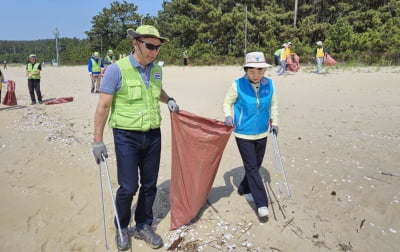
329 61
10 99
293 62
197 147
60 100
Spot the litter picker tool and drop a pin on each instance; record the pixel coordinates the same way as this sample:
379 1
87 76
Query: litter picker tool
113 202
278 163
102 204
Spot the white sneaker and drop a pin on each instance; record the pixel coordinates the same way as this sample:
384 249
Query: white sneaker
263 211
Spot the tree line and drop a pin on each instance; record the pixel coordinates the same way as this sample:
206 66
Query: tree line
219 31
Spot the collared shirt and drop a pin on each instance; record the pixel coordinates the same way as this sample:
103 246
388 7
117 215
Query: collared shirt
112 79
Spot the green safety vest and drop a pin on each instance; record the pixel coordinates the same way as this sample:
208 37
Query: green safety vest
134 106
96 66
108 59
32 69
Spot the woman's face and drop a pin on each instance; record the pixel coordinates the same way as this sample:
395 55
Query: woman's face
255 74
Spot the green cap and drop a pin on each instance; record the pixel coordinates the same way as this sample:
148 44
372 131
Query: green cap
96 54
32 56
146 31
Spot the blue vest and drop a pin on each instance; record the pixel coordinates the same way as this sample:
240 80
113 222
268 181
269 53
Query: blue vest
252 113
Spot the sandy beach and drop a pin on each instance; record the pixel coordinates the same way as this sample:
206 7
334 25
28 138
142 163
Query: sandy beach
339 139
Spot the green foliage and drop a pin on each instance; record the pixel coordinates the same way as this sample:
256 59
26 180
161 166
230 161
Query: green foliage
219 32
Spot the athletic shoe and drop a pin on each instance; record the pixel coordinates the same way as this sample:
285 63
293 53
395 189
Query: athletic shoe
263 212
249 197
125 244
149 236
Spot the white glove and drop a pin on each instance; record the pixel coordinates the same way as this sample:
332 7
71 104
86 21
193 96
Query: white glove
172 106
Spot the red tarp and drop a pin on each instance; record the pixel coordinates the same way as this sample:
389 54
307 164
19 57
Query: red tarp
328 60
60 100
293 62
10 99
197 147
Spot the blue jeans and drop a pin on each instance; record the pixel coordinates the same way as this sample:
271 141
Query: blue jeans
282 67
252 153
277 60
138 160
320 61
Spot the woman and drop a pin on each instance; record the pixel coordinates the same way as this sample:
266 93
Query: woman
255 105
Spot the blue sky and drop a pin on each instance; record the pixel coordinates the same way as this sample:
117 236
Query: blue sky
38 19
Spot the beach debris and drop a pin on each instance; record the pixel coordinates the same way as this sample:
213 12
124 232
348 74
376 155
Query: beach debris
320 244
362 223
35 119
222 236
287 223
348 197
345 247
333 193
390 174
371 178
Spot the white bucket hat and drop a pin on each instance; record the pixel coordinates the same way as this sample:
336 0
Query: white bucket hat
256 59
319 43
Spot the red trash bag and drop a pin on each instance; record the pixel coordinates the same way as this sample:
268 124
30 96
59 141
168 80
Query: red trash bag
197 147
328 60
10 99
59 100
289 59
293 62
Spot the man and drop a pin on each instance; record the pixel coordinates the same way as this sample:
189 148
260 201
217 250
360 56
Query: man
33 73
277 55
283 58
319 54
108 59
94 67
131 90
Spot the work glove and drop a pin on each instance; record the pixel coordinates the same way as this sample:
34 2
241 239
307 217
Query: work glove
229 121
172 106
99 150
274 129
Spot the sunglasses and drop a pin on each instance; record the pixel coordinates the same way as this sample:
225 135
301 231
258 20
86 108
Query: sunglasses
150 46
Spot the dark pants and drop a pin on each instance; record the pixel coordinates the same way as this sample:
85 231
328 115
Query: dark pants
277 60
252 153
138 160
34 86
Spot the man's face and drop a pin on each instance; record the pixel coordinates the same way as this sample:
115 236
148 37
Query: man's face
32 60
147 49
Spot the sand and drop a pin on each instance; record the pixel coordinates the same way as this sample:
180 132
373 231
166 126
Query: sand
338 132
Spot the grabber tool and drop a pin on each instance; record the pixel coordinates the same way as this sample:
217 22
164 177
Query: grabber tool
113 202
278 161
